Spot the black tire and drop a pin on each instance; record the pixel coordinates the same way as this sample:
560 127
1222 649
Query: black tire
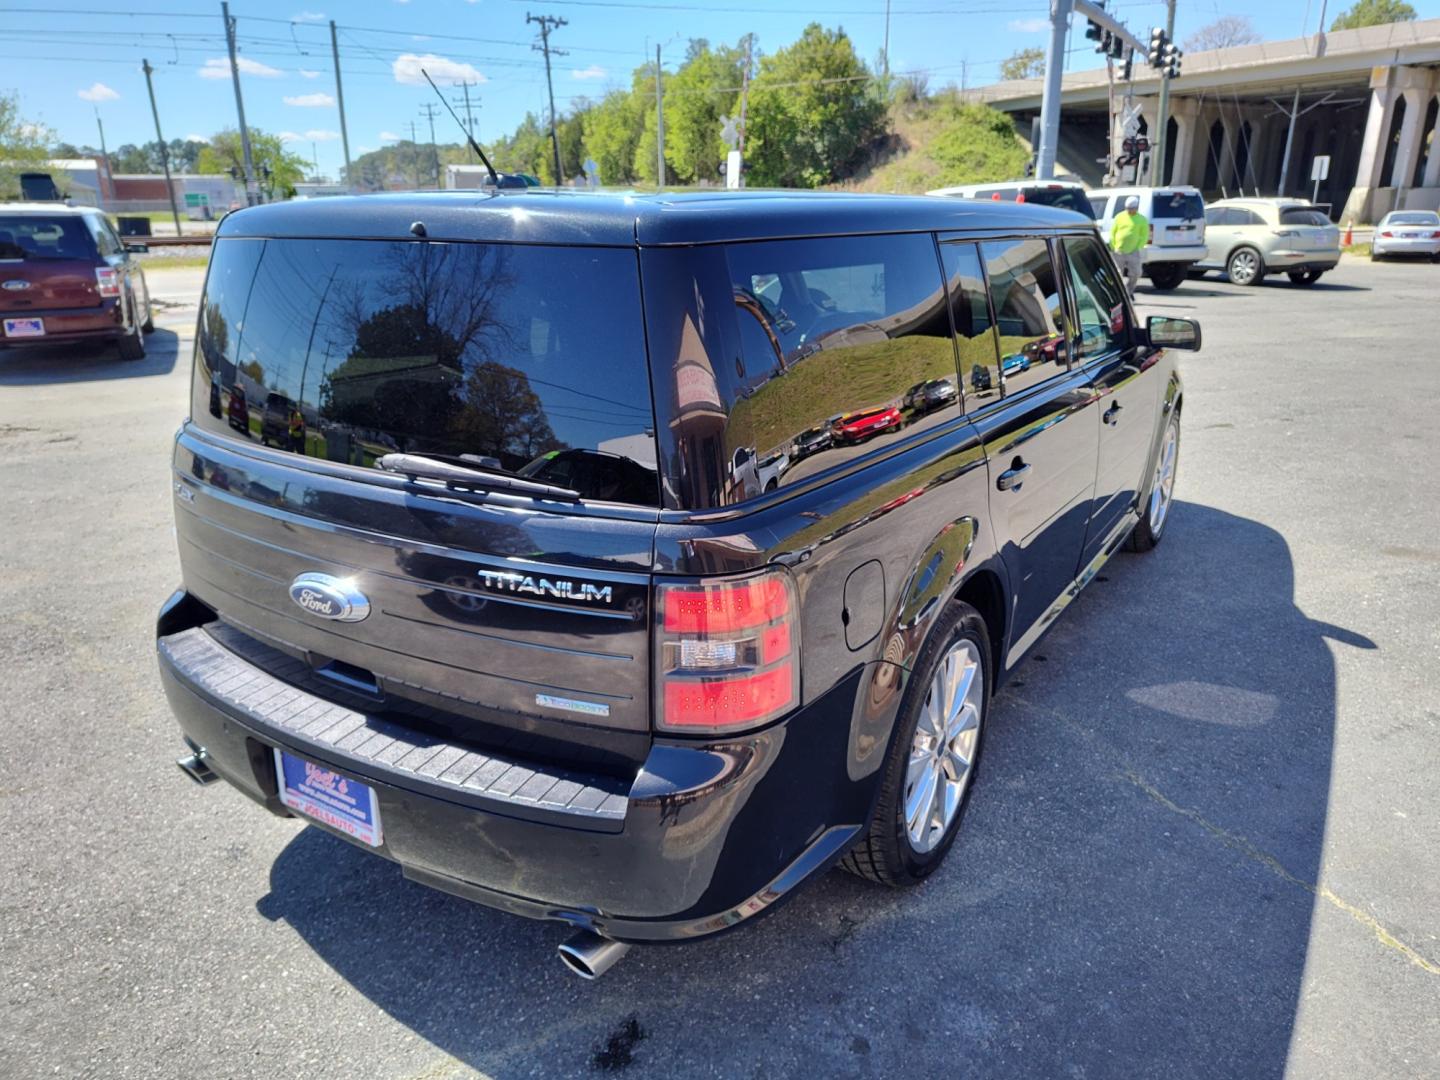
1147 536
132 345
1304 277
1236 266
771 486
1167 276
884 854
148 326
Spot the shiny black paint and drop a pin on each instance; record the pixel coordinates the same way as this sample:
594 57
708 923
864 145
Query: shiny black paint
710 836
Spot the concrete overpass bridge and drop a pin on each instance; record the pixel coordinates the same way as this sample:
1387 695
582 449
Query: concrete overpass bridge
1367 98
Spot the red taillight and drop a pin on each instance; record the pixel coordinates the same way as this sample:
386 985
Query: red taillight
1152 234
1387 232
726 652
107 281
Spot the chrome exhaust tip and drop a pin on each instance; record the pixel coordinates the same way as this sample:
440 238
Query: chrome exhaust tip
589 955
196 765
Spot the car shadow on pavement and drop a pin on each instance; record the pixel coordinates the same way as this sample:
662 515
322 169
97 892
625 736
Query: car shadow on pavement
1131 893
37 364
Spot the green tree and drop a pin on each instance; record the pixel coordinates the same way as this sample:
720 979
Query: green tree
976 144
813 111
697 99
24 147
612 130
1024 64
224 153
1373 13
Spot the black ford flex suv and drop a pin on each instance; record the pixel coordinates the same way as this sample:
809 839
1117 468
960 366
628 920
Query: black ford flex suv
509 615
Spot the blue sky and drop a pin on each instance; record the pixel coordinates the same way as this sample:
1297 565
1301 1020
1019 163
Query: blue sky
70 57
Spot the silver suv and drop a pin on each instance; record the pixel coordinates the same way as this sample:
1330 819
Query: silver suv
1249 238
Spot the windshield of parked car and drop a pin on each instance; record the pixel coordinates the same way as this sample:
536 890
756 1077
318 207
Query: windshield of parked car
1301 215
34 236
1066 198
1415 217
1177 205
499 351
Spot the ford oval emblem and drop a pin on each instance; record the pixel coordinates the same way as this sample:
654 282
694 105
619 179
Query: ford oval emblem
330 597
16 284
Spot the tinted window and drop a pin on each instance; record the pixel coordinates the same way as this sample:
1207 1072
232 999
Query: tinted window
1418 217
1299 215
1066 198
755 344
1218 215
974 330
1099 297
1025 295
30 236
498 351
1097 208
1181 205
107 242
1245 217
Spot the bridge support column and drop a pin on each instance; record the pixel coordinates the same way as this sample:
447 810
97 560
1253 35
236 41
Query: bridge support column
1187 114
1374 194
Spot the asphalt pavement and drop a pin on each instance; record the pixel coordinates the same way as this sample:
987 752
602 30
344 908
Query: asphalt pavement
1205 839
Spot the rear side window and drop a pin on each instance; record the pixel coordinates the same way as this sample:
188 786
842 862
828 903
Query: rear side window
504 352
974 329
33 236
753 345
1099 297
1097 208
1025 295
1177 205
1299 215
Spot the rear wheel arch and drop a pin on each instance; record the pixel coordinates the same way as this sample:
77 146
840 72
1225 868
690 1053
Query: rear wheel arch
985 592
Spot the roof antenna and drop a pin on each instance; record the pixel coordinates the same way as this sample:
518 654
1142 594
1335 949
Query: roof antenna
494 176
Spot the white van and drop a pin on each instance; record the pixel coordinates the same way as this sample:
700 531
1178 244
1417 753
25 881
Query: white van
1177 227
1066 194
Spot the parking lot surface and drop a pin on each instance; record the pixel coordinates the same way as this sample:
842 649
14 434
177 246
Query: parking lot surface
1205 839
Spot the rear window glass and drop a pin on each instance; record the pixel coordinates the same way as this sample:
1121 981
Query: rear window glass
1419 217
1182 205
518 355
1066 198
1299 215
31 236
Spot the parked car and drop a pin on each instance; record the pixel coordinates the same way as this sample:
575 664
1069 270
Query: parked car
1407 232
65 276
754 475
648 714
930 394
275 420
1177 227
237 410
858 426
1249 238
1065 194
812 441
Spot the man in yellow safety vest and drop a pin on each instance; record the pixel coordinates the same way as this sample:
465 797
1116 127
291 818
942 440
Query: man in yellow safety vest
1129 233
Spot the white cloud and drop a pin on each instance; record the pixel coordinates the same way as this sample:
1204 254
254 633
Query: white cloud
319 100
308 16
1029 26
389 136
217 67
306 73
97 92
594 71
313 135
407 70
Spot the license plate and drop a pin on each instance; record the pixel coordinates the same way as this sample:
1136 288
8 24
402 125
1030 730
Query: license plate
24 327
328 797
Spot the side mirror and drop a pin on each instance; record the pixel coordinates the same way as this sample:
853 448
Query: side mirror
137 249
1167 333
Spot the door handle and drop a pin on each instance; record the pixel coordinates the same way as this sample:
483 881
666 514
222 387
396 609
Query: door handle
1112 414
1013 477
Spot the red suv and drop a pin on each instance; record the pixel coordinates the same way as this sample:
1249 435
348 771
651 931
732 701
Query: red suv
65 276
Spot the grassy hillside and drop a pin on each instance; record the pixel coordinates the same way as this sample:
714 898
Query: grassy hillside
939 141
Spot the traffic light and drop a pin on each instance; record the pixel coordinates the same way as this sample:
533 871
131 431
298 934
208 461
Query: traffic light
1158 40
1127 69
1094 32
1171 60
1117 47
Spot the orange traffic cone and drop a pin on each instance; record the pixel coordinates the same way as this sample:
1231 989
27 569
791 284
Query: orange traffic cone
1349 238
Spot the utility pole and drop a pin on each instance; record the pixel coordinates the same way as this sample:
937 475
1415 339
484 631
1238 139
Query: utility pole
547 24
429 111
1162 120
340 101
164 150
469 119
744 99
659 125
251 191
1050 104
885 55
104 154
414 156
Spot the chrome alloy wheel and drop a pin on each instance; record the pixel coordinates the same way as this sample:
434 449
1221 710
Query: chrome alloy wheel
1244 265
1162 487
942 752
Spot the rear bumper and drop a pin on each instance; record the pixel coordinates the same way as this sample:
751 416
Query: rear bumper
1399 246
1174 253
70 324
704 836
1282 259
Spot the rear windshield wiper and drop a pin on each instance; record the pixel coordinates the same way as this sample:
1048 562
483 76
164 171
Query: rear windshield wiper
466 476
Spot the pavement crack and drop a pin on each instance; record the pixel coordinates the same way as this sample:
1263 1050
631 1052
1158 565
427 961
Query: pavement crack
1245 847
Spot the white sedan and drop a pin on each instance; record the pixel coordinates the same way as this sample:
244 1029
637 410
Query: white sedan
1407 232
